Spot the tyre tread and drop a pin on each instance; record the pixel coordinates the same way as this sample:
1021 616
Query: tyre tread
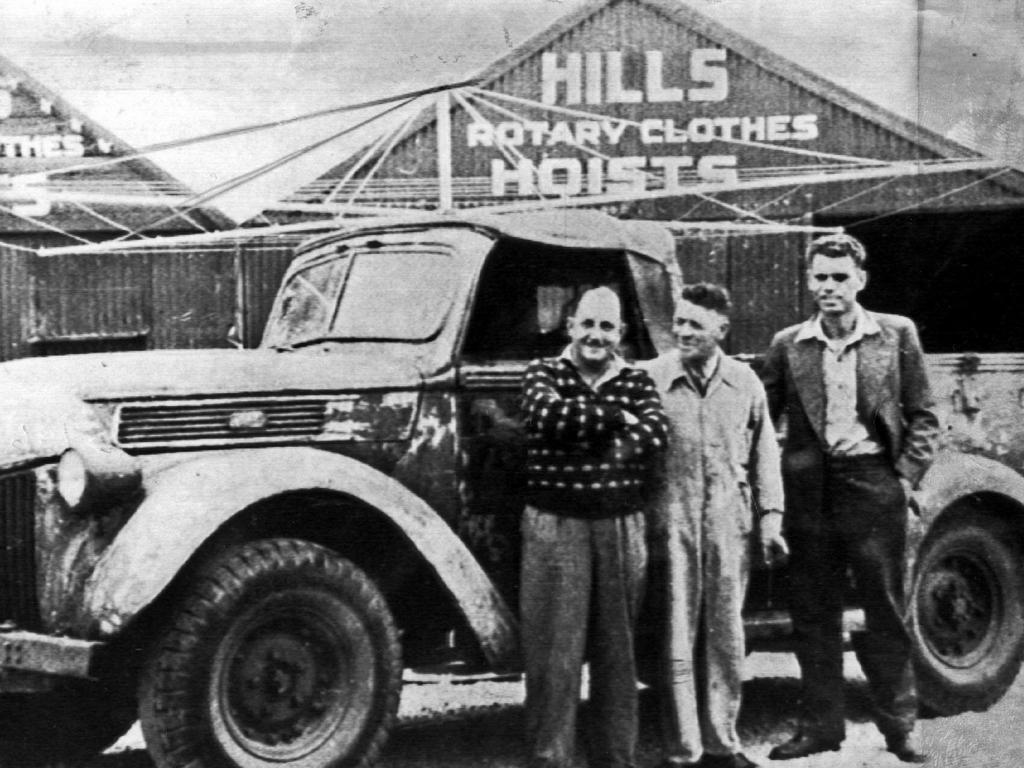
172 734
1001 540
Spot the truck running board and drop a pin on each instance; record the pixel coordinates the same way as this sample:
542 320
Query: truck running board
776 625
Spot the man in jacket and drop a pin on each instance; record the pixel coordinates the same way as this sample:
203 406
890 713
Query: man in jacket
594 424
860 432
721 481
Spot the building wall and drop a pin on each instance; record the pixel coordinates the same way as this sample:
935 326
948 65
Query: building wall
148 298
261 265
759 87
15 299
763 274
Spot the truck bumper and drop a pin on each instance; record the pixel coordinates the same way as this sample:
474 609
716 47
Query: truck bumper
32 652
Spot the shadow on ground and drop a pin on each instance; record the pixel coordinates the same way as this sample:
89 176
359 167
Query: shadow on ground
492 737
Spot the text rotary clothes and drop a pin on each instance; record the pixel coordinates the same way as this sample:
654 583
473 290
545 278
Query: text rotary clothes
582 461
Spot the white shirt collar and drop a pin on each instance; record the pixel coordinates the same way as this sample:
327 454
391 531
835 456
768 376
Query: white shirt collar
864 325
708 367
707 370
615 366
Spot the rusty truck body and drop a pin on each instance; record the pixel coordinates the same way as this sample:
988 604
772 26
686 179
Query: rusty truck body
245 548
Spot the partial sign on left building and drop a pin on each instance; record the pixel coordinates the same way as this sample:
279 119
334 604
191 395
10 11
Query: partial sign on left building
66 180
61 172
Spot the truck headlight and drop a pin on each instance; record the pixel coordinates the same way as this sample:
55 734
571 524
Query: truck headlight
71 477
90 473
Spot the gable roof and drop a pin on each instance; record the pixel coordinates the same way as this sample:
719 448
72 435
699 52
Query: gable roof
41 131
886 124
685 16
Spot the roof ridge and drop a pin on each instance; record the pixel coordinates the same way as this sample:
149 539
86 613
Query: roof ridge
686 16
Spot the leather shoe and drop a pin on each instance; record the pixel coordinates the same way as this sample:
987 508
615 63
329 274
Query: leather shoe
735 760
904 747
803 745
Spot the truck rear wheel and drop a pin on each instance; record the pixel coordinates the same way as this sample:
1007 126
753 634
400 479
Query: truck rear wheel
283 653
967 613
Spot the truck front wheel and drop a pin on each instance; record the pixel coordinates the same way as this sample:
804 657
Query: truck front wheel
283 653
967 612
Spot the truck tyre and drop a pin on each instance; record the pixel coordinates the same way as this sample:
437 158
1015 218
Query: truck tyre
73 723
281 653
967 613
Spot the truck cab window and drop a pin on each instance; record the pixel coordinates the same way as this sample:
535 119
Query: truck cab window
524 298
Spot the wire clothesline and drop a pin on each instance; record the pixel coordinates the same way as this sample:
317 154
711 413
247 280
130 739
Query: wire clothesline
198 200
935 198
787 174
150 149
202 198
829 167
593 152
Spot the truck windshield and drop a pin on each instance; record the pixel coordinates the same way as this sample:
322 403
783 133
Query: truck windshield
365 295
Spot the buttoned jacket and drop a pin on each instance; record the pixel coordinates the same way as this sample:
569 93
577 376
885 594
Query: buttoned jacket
893 396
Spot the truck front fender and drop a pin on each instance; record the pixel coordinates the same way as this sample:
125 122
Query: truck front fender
187 503
955 476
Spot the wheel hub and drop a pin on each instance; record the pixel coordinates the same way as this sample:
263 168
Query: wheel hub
282 682
957 609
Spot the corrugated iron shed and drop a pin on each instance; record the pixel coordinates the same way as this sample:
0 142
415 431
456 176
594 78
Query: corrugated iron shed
40 131
146 297
685 78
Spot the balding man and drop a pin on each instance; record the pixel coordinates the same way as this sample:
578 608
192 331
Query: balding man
593 424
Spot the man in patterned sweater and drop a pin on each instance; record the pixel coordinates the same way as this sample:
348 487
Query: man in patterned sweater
594 425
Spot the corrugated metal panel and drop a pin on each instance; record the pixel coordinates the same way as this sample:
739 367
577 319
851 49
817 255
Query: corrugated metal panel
763 274
703 258
156 297
14 301
760 85
16 281
39 111
73 218
632 28
83 294
766 281
193 298
262 264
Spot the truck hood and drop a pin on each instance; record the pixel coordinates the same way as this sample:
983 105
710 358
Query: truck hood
176 373
46 401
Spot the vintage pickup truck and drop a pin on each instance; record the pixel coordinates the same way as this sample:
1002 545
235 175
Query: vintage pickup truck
245 548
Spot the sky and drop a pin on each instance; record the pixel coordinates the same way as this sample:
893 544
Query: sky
146 69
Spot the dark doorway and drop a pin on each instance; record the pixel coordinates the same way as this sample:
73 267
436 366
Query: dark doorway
960 276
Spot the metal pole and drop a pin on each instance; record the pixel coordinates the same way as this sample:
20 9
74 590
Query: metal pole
444 152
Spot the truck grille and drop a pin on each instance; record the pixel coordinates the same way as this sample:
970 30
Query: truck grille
215 422
18 600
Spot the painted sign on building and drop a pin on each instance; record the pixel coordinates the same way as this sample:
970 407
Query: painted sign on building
30 129
62 172
651 93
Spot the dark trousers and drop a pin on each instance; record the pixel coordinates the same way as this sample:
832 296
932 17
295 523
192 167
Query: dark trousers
582 582
856 526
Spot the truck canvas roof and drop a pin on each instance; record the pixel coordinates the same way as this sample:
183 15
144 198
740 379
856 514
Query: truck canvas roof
581 229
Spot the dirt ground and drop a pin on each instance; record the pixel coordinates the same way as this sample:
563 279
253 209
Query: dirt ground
445 723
